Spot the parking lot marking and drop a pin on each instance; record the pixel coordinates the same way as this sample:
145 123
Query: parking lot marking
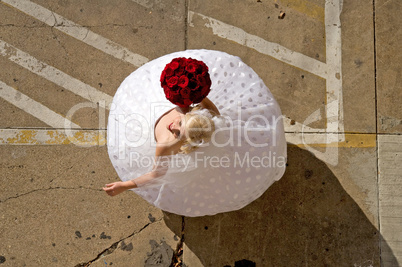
77 31
334 62
55 75
331 70
274 50
32 107
357 140
98 138
52 137
144 3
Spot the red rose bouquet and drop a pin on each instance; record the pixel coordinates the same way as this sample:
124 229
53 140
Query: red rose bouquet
185 81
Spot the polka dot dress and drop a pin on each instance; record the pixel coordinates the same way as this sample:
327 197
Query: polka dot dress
246 154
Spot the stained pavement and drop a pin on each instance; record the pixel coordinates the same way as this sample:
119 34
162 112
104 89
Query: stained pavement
334 67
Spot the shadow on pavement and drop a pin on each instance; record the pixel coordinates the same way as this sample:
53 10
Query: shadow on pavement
305 219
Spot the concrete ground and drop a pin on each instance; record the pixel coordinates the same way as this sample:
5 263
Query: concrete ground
334 67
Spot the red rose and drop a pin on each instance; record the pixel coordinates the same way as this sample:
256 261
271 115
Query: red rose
201 80
169 72
179 71
167 94
172 81
163 75
193 84
175 89
175 99
183 81
175 92
185 92
205 91
186 102
180 60
174 65
200 68
197 98
191 67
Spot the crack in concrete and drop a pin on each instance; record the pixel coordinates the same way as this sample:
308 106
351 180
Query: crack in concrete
88 27
46 189
24 26
57 39
59 25
177 259
56 25
186 24
114 246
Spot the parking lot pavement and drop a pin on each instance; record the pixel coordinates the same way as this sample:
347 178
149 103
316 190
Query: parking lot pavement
333 66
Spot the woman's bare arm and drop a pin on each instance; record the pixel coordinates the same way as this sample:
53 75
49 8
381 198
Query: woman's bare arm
206 103
158 170
116 188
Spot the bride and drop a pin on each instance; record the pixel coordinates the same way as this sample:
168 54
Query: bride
213 157
175 132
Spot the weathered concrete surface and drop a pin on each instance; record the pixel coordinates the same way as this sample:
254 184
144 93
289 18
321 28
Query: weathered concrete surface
305 219
389 66
390 188
53 211
357 173
293 88
358 70
131 25
136 251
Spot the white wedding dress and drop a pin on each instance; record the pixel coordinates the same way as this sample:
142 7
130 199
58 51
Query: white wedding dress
245 156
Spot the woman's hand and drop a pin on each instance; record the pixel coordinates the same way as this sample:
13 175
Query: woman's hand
115 188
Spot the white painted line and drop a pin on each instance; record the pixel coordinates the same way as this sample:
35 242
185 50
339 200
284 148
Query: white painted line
144 3
277 51
297 127
77 31
334 65
331 70
334 106
32 107
296 138
52 137
274 50
54 75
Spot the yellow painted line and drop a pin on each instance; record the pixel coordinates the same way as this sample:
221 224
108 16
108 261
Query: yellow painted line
312 10
351 141
52 137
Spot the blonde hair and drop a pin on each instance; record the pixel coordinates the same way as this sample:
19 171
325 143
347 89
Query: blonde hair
199 128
